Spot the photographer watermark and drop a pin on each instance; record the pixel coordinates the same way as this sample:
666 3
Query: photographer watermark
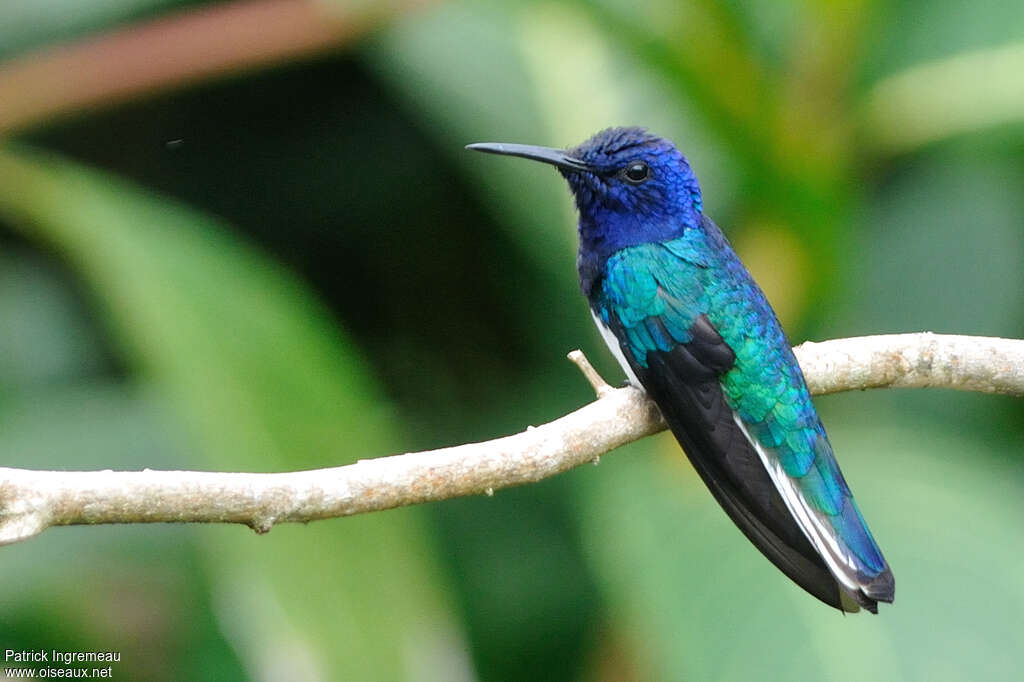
54 663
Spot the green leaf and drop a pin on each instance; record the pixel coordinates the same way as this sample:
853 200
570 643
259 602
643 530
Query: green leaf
265 381
446 63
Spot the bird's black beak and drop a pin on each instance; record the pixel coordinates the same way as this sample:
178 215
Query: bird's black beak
556 157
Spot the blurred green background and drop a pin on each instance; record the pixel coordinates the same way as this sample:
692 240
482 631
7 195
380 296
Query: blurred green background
245 236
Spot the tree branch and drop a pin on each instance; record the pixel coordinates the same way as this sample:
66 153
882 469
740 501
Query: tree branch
31 501
925 360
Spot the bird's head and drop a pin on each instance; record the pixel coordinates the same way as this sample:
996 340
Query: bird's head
630 186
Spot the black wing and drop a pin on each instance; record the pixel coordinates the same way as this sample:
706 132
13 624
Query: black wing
684 382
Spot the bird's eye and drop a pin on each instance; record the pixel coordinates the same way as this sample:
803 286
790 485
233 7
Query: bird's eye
636 172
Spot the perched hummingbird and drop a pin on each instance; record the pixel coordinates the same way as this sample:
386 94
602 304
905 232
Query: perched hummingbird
690 326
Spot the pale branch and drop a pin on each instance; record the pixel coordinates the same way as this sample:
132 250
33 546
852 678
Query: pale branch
966 363
600 386
31 501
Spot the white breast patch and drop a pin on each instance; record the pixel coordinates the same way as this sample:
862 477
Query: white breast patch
616 349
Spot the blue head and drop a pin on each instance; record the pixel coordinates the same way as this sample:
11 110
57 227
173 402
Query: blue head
631 187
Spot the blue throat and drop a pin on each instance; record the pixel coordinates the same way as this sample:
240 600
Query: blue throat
604 232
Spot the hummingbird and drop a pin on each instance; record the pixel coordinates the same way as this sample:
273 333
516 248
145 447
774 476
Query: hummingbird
692 329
